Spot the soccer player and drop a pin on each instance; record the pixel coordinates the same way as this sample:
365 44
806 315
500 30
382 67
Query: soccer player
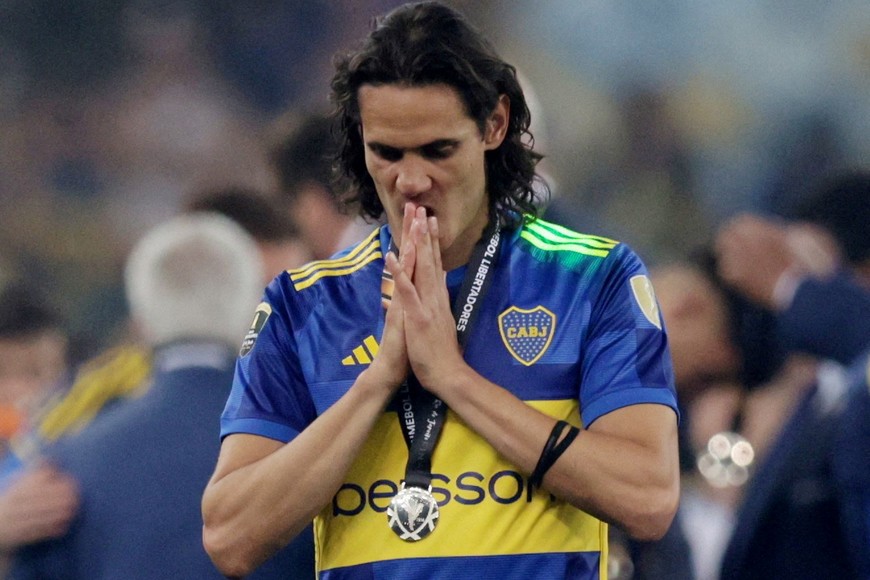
441 436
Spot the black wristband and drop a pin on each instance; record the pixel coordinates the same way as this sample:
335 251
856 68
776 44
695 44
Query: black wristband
553 449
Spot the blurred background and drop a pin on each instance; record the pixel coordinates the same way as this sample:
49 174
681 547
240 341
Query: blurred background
658 119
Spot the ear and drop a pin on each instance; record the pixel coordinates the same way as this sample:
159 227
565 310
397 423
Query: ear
497 124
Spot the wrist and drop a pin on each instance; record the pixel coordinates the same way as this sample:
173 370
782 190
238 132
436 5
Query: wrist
450 380
376 384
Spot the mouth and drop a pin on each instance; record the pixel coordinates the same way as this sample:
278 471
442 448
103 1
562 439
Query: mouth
430 212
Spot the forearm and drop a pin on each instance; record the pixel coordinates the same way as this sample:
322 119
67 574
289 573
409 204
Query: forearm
251 512
626 476
622 480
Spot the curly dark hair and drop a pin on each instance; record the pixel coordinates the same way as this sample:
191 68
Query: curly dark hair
428 44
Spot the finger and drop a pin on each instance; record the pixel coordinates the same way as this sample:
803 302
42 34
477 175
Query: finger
436 242
406 241
426 278
440 274
408 254
408 218
405 294
395 269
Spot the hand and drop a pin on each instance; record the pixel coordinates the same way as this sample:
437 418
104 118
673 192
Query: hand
814 250
753 253
430 330
39 504
391 364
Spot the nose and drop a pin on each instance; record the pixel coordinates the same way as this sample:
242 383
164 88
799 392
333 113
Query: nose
412 177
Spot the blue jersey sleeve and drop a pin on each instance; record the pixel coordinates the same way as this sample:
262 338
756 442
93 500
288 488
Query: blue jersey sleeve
626 359
269 395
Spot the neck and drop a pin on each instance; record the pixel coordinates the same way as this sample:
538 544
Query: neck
459 252
452 260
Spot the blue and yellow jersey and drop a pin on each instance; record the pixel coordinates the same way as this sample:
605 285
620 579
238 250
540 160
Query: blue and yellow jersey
570 326
120 373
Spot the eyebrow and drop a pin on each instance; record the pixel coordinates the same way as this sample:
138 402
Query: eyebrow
436 144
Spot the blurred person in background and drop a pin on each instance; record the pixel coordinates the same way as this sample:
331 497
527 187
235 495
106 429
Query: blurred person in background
141 467
810 270
33 352
707 365
278 237
813 274
38 502
726 378
757 435
304 163
121 372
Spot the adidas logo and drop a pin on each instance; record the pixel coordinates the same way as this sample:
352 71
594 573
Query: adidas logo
363 354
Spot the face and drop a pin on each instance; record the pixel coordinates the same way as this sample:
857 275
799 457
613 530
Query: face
30 367
698 329
320 224
422 147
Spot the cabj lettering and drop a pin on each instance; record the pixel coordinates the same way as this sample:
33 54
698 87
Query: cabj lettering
528 331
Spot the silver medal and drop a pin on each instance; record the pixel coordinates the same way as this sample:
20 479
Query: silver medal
413 513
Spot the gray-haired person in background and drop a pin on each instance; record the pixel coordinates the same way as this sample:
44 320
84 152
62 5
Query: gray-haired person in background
191 283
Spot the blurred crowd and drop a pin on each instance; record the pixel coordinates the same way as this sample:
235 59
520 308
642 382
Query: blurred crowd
156 150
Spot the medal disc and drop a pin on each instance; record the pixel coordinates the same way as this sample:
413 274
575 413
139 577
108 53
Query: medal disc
413 513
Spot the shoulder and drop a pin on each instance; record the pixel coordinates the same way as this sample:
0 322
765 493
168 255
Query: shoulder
298 292
344 264
605 272
570 251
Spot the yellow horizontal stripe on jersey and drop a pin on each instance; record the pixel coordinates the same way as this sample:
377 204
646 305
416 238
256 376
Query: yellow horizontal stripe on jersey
353 267
363 254
364 246
483 497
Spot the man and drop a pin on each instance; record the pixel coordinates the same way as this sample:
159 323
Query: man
141 467
33 347
39 502
122 371
277 236
813 274
564 332
731 377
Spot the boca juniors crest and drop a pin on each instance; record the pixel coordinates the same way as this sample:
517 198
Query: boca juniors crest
527 333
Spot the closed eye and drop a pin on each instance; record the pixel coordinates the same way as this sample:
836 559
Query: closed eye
439 149
385 152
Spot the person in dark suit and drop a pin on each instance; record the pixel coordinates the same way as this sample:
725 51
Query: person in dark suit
806 513
142 466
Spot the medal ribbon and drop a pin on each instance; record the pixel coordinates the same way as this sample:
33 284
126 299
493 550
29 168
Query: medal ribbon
417 407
